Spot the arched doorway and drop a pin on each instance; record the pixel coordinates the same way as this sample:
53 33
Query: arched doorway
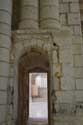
32 61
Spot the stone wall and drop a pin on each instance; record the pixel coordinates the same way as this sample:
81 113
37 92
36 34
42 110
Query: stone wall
49 14
70 17
68 37
69 106
29 14
25 40
69 11
5 45
68 54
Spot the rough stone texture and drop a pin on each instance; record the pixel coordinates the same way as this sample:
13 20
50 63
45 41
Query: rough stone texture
78 60
70 8
70 93
73 19
68 37
43 40
29 14
74 7
70 17
63 19
78 72
49 14
77 49
2 113
5 42
79 84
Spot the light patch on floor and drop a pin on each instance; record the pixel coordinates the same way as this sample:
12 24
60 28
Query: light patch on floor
38 110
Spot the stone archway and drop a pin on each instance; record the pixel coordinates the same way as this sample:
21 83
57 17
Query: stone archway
36 61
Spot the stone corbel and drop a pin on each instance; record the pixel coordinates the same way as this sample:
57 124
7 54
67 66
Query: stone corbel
58 72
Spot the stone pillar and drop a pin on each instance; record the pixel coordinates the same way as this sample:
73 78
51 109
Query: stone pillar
49 14
5 43
29 14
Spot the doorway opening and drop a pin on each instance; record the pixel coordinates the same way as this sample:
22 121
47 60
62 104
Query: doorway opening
34 63
38 98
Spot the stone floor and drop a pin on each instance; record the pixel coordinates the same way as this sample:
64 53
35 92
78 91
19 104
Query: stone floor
38 110
38 113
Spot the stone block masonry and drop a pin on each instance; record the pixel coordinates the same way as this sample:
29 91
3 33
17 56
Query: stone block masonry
70 16
5 45
52 13
71 11
29 14
62 19
49 14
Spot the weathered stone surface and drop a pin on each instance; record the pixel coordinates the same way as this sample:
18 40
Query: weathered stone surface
3 83
48 18
77 49
77 30
4 69
65 96
74 7
67 83
79 84
79 96
4 54
29 14
3 97
73 19
2 113
6 17
68 53
70 0
78 60
5 43
63 19
77 39
64 8
78 72
29 2
6 6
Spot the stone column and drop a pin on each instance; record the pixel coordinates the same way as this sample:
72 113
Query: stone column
5 43
29 14
49 14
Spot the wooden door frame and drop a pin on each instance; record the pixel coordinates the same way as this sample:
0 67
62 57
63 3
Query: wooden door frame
22 89
48 89
43 67
49 94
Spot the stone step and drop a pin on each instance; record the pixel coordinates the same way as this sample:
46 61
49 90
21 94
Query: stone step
37 121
